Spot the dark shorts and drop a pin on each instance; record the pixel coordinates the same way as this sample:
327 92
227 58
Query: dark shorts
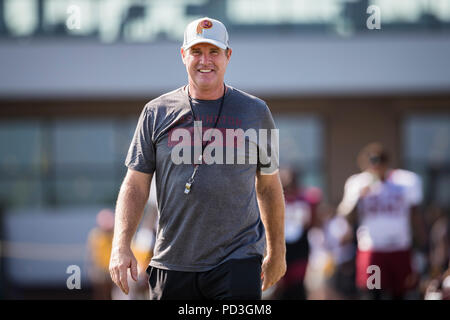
395 269
238 279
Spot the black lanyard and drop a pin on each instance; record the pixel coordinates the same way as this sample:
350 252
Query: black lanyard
189 183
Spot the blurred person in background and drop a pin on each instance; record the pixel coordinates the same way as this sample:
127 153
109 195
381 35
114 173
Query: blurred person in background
142 248
215 224
300 216
342 247
437 284
383 203
99 245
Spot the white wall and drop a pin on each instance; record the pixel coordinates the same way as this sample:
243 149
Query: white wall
40 245
267 66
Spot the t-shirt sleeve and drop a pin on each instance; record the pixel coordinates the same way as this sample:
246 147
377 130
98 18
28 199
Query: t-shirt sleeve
141 154
350 198
414 190
268 144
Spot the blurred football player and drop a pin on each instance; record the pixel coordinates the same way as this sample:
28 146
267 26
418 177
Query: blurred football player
383 203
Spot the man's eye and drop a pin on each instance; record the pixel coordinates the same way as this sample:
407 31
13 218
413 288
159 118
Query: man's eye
215 52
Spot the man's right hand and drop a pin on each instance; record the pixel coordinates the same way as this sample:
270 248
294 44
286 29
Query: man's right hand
122 258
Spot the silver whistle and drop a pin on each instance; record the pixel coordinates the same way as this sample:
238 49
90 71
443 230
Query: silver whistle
187 187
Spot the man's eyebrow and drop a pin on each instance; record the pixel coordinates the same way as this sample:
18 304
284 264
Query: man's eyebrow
199 49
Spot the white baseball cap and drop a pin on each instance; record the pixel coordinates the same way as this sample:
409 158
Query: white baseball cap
205 30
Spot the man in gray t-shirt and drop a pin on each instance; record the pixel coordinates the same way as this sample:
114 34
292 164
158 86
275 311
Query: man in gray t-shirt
214 152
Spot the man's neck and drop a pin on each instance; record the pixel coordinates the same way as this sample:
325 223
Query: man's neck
202 94
382 176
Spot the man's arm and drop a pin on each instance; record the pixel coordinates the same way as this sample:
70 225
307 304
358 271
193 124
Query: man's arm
271 204
347 209
130 206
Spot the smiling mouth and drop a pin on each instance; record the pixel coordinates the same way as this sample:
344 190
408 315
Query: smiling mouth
205 70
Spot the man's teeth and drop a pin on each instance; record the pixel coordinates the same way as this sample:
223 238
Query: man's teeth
205 70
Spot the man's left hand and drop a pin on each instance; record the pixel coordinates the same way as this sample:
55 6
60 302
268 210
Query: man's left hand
273 268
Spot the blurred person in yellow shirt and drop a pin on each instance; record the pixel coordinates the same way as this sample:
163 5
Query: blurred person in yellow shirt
99 245
142 246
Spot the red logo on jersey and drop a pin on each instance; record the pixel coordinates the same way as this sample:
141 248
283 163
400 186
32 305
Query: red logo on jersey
387 205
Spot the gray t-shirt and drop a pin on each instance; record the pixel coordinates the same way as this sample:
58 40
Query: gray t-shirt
219 218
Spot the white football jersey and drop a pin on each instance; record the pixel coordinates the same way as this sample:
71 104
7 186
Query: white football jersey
297 215
383 208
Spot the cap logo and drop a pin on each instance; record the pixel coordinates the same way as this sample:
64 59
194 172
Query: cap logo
204 24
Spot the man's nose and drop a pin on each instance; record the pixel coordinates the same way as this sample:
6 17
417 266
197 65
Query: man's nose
204 58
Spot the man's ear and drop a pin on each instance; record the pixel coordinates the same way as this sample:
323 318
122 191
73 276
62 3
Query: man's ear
229 53
183 55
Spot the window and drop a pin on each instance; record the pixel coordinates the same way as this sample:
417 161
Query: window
63 162
302 147
22 162
427 152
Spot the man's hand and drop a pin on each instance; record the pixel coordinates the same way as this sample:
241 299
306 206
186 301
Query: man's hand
270 198
273 268
130 206
121 260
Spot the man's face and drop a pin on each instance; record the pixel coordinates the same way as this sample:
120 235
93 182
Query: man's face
379 169
206 65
